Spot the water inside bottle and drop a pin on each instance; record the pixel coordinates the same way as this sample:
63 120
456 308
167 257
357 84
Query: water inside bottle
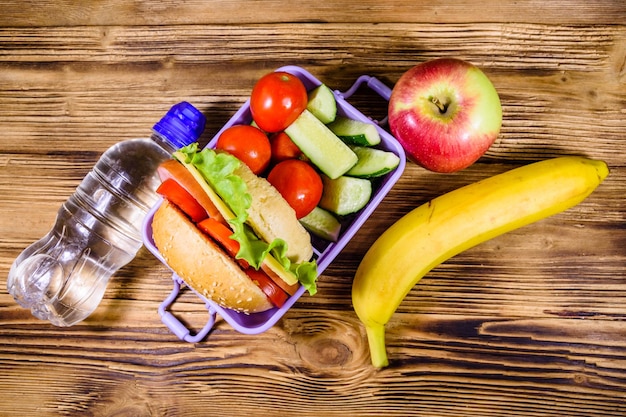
63 277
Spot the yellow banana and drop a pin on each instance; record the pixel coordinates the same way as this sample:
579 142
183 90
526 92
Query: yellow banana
456 221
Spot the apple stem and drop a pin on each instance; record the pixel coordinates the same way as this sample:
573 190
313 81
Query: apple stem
443 107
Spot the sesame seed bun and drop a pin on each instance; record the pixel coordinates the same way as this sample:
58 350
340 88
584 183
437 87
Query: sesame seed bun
202 264
272 217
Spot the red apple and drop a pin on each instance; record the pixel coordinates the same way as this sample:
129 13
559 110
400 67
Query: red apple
445 113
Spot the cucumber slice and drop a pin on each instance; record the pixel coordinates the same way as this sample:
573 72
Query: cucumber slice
322 223
345 195
322 103
355 132
323 148
372 162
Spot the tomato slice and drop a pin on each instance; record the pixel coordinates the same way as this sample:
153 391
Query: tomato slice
175 193
289 289
275 294
221 234
177 171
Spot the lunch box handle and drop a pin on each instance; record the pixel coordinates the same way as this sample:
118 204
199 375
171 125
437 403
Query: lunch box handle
374 84
175 325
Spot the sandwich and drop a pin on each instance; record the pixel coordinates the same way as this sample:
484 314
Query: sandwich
229 234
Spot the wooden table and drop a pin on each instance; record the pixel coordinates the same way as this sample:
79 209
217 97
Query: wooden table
532 323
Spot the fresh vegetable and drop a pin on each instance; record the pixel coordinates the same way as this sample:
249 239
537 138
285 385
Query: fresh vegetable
456 221
172 169
322 104
283 148
275 294
175 193
372 162
221 234
277 100
298 183
355 132
322 223
320 145
345 195
249 144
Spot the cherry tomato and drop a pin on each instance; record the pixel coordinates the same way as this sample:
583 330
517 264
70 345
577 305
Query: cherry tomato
283 148
177 195
273 292
298 183
277 100
249 144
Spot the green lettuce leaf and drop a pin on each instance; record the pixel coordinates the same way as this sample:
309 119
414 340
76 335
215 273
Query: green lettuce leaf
218 168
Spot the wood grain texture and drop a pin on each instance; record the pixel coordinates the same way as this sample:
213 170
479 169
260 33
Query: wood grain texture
167 12
532 323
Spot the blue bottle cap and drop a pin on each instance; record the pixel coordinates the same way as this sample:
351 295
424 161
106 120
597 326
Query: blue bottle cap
183 124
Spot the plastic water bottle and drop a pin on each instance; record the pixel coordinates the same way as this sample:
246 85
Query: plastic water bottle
62 277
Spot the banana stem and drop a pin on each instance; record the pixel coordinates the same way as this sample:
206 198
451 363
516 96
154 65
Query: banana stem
376 340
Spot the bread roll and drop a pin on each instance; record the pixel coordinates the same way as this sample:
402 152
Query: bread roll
202 264
271 217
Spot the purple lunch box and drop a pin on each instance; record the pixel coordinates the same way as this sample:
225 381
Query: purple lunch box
324 251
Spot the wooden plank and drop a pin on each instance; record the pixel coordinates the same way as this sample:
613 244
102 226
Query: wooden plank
115 12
